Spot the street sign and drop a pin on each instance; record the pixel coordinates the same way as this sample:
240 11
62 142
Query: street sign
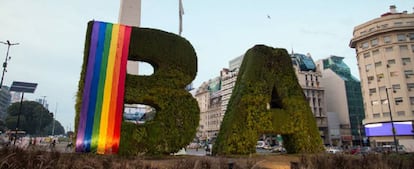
23 87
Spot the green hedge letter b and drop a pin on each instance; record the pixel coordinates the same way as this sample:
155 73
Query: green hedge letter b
177 114
175 66
267 99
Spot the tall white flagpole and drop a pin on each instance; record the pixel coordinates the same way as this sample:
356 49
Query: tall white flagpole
180 13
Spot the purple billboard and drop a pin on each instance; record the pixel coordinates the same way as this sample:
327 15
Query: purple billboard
385 129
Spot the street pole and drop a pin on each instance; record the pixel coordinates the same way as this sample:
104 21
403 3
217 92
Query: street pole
18 119
7 59
54 116
41 116
392 122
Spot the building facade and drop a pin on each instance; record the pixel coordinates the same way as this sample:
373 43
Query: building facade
309 79
4 101
344 101
385 53
208 96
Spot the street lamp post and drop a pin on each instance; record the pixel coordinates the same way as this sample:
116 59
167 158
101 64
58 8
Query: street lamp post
392 122
359 131
7 59
22 87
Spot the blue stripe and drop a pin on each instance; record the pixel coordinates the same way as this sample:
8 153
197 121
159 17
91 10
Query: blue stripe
94 89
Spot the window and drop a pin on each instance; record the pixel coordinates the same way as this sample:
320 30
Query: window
403 48
412 48
396 86
382 88
376 115
384 101
394 74
373 90
408 73
400 113
388 49
380 76
378 64
398 100
374 42
367 55
390 62
401 37
387 39
370 78
375 52
368 67
398 23
406 61
386 114
365 45
412 100
410 86
411 36
374 102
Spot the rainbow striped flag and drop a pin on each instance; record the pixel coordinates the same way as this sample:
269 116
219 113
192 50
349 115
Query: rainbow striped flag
103 93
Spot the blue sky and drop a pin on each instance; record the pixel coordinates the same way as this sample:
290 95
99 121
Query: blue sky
51 35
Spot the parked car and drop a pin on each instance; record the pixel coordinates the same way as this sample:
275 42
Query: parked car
4 141
262 145
278 149
333 150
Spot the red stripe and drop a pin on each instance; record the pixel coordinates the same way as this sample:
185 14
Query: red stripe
121 89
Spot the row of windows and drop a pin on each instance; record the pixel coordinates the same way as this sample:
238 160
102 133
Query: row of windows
380 76
402 48
397 101
395 87
383 26
387 39
387 114
405 61
311 77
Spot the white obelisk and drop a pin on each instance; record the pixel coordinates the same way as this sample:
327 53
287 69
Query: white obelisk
130 14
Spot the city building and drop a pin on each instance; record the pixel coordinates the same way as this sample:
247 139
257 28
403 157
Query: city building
228 81
344 102
4 101
309 79
208 96
385 53
219 90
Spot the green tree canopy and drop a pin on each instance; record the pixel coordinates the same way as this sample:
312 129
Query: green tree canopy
34 119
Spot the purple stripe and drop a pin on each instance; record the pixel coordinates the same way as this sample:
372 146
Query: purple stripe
87 87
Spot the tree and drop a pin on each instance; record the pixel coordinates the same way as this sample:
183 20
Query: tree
33 119
58 130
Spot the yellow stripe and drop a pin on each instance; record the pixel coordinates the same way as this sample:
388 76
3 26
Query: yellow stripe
107 90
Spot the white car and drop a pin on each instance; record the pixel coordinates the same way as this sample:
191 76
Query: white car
334 150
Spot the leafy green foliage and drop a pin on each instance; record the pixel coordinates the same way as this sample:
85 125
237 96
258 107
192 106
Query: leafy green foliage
34 119
177 114
267 99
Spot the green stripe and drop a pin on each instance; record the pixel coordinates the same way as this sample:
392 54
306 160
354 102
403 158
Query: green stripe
101 85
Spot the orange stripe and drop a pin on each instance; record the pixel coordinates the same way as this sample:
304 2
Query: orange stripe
121 89
114 96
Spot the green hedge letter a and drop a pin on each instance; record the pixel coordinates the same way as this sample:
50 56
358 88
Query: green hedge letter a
267 99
